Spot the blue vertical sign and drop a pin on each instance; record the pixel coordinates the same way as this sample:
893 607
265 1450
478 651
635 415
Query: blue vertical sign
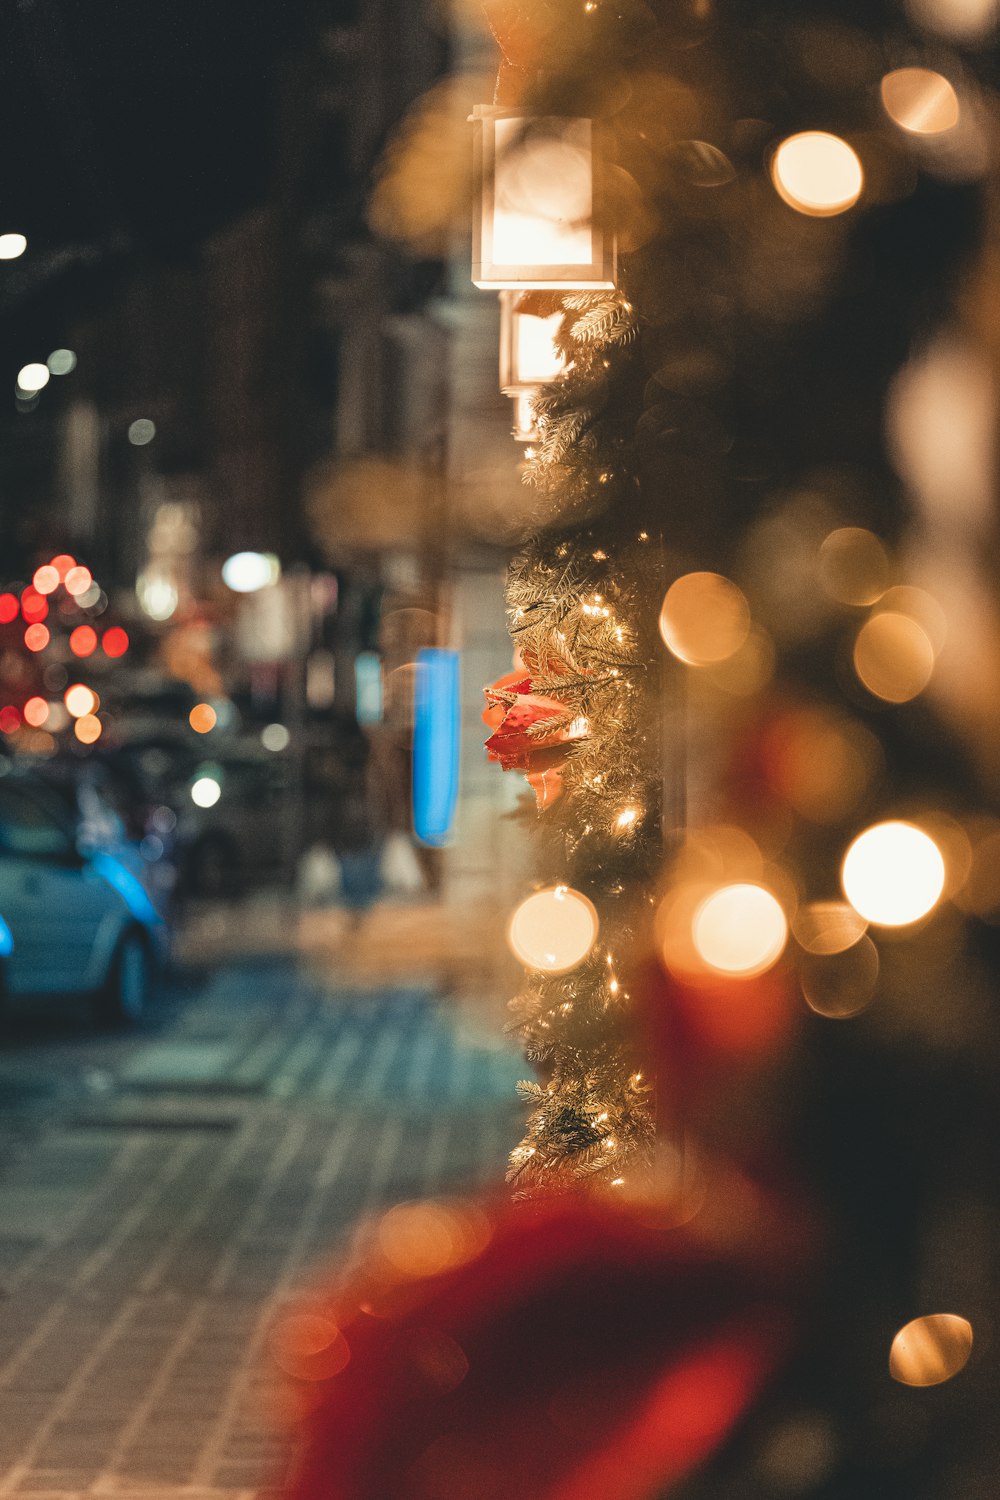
435 745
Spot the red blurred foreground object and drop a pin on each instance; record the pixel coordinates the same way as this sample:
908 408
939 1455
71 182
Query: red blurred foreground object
577 1352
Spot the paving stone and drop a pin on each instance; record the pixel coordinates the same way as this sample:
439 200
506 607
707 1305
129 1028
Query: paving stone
162 1224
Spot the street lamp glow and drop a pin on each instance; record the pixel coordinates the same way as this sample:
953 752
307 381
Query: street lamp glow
12 245
205 792
32 378
246 572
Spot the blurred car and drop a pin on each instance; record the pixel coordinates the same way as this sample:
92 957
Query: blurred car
237 822
75 919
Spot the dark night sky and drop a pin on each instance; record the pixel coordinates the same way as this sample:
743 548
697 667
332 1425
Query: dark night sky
124 117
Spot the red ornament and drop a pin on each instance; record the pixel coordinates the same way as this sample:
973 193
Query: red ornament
513 710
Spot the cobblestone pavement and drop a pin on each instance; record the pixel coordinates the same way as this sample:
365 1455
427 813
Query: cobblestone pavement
162 1198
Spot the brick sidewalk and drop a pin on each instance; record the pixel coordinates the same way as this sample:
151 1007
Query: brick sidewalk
152 1233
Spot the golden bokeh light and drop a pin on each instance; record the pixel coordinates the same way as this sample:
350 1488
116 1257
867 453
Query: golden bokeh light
718 855
962 20
309 1346
920 101
553 930
739 930
930 1350
88 729
424 1239
840 984
955 846
893 874
36 637
893 657
817 173
827 927
80 700
749 669
36 711
822 763
917 604
704 618
853 566
202 718
979 894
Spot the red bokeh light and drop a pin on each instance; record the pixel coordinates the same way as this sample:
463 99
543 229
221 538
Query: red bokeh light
36 711
63 563
10 719
115 641
46 579
78 580
36 637
34 606
9 608
83 640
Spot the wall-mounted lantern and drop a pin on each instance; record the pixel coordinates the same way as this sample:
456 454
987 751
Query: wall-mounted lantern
529 355
537 220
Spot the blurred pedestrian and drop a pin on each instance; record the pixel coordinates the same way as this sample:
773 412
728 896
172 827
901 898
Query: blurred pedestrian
349 808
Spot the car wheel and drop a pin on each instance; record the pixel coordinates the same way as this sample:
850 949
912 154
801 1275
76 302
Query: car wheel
124 997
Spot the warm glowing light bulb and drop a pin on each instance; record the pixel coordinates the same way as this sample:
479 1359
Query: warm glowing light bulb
246 572
206 791
553 930
87 729
739 930
78 580
817 173
202 718
36 637
12 245
46 579
36 711
704 618
115 641
893 874
80 700
32 377
83 640
931 1349
920 101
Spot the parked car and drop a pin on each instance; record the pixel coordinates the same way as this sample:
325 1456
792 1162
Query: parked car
75 916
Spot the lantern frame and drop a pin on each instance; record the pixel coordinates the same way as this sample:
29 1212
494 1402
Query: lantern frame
597 270
515 377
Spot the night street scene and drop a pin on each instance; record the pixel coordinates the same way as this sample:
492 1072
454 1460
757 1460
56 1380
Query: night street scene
500 750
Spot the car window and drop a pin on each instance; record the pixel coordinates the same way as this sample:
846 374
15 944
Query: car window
27 827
